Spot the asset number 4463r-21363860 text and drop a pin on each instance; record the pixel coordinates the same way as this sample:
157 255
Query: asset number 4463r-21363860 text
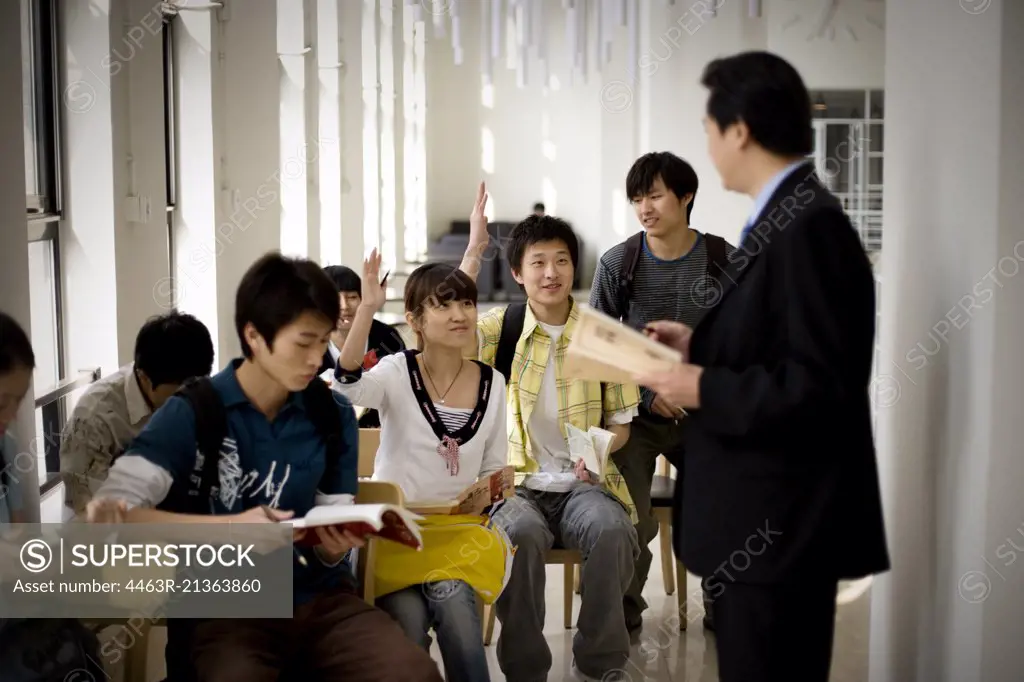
193 585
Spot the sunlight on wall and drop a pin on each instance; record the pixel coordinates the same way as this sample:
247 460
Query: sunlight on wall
371 176
294 237
549 195
414 157
487 150
620 208
388 174
487 96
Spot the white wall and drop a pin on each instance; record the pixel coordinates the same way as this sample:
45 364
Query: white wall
951 380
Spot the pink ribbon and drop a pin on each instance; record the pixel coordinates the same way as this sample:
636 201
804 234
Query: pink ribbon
448 448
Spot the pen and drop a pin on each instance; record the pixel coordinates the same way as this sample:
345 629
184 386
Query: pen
386 275
270 515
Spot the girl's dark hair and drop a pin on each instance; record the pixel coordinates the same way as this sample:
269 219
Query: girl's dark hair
15 347
435 283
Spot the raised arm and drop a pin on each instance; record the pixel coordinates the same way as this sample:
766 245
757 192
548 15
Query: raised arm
478 235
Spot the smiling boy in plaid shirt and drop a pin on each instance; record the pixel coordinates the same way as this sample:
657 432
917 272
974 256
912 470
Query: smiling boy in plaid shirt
556 503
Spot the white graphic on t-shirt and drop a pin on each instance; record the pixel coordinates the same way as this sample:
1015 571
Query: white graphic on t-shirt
233 482
229 473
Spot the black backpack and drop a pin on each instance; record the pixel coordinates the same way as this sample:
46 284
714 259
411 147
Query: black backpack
212 428
717 260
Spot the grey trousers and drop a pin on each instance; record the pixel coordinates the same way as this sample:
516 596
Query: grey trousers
636 460
593 521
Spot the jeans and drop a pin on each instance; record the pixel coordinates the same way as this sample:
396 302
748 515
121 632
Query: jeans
449 607
588 519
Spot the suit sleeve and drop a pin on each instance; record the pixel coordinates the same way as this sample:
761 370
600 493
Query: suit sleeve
817 264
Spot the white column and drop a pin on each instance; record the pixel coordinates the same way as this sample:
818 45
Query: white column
951 379
14 294
200 193
352 143
330 76
294 51
94 167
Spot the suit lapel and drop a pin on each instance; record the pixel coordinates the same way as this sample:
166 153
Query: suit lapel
787 202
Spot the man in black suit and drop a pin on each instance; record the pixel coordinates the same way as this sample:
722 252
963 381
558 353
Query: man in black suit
781 497
384 339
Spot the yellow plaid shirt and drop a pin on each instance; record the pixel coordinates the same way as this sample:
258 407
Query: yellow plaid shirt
580 403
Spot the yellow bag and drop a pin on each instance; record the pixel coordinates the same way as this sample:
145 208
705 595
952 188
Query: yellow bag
456 547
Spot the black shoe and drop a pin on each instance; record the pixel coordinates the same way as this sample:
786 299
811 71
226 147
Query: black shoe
708 623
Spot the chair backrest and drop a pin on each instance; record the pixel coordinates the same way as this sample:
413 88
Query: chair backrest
369 442
373 492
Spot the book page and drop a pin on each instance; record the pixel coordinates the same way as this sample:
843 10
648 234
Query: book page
581 446
604 349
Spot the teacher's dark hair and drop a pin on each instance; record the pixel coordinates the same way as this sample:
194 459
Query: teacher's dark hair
765 92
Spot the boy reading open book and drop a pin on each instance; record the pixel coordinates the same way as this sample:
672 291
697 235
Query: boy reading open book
288 446
442 430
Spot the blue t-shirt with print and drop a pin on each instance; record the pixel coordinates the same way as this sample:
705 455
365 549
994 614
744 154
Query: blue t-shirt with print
278 463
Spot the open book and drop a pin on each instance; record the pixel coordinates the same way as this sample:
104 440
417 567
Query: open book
592 446
604 349
381 520
474 499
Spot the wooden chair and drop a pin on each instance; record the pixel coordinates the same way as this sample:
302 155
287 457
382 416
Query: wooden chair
570 559
662 492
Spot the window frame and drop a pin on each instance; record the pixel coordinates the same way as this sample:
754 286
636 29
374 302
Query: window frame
169 70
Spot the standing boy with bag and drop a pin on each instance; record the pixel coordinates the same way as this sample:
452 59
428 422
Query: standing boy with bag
667 271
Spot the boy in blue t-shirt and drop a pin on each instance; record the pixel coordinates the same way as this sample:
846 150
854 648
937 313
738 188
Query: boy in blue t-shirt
272 456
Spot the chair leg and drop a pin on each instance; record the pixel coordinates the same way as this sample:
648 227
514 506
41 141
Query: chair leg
136 657
665 540
683 597
567 590
576 570
491 614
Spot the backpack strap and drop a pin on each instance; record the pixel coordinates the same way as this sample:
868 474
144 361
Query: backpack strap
511 329
630 257
211 429
717 259
322 410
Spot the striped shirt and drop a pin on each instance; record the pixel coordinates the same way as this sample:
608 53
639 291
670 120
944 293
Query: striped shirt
679 290
454 418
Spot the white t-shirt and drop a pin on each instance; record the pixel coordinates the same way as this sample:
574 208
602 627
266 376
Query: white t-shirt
408 455
547 442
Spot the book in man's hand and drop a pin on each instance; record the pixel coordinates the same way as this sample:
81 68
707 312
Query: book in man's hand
386 521
475 499
604 349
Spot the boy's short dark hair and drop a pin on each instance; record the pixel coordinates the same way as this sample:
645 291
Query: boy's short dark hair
765 92
434 283
677 175
172 348
15 346
540 228
276 290
344 278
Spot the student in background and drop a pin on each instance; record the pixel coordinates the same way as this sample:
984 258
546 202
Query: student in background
169 349
442 428
382 340
555 501
274 455
673 279
17 362
40 649
539 209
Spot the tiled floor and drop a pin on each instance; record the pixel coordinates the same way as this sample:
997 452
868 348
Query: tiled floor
663 653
